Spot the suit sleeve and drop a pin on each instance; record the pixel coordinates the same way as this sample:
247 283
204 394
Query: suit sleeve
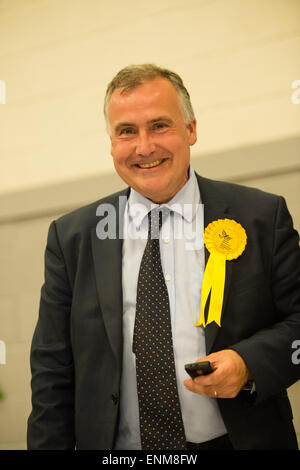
268 353
51 422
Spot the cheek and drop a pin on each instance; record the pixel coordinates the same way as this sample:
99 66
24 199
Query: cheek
175 144
121 153
118 153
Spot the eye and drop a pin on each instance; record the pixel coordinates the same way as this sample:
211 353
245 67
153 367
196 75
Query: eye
126 132
160 126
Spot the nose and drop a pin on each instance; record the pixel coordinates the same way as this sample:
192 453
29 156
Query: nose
145 145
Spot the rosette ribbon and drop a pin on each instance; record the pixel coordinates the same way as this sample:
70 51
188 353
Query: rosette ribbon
225 240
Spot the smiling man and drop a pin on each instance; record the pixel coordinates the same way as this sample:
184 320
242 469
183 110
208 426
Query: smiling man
119 318
150 141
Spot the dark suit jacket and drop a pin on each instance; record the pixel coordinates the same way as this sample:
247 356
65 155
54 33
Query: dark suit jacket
76 354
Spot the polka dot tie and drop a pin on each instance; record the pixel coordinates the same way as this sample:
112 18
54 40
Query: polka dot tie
161 423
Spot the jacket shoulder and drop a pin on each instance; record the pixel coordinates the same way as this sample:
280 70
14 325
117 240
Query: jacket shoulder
236 194
84 218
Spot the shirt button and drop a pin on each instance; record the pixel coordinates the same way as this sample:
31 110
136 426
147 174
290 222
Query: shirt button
168 277
166 240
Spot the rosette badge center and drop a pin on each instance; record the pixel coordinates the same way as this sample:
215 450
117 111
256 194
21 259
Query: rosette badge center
225 240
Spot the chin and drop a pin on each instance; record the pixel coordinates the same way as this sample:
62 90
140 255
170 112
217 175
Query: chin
154 194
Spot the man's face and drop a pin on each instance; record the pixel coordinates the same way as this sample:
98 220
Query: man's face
150 143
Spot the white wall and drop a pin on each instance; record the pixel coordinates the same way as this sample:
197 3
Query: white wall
237 58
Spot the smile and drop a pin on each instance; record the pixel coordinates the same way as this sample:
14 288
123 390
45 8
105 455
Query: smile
150 165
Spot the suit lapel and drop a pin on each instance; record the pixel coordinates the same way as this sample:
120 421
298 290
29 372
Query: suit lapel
214 208
107 256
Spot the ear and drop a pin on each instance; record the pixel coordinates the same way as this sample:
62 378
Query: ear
191 127
111 145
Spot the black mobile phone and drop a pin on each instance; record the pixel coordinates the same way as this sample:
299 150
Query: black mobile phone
199 368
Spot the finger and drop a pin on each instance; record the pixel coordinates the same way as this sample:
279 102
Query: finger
210 379
199 389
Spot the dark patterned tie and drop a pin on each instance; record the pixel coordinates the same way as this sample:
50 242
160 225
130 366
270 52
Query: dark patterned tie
161 423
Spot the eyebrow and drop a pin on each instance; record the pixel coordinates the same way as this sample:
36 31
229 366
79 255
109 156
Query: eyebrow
161 118
120 125
123 124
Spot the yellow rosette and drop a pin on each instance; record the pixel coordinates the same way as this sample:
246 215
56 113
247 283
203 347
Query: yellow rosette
225 239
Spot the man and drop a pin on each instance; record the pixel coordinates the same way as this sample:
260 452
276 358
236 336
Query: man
87 368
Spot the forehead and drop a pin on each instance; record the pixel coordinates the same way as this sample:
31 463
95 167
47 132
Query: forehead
153 97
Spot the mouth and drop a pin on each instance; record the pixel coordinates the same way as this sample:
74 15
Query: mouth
150 165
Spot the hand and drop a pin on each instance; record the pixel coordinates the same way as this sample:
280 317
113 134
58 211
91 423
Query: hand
227 380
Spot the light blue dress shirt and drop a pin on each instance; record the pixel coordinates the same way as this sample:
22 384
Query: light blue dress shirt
182 256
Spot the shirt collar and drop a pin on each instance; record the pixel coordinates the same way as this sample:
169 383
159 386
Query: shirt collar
184 203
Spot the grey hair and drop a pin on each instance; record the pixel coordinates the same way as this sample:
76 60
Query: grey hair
134 75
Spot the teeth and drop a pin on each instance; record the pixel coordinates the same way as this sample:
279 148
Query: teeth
150 165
